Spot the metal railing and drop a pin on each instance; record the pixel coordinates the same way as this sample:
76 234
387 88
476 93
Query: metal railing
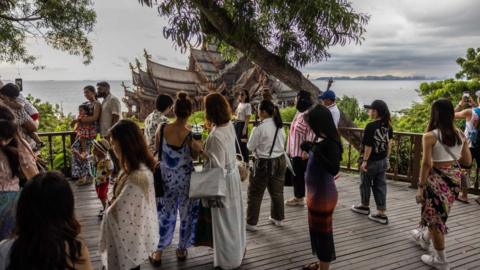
405 158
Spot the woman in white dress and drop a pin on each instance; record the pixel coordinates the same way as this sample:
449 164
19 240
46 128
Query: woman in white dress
129 230
228 223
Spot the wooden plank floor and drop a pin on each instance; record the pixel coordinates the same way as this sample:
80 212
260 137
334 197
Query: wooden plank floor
360 243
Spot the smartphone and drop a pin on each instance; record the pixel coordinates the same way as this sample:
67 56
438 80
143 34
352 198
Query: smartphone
19 83
466 96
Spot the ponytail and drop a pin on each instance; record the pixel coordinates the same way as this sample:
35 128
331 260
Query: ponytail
273 111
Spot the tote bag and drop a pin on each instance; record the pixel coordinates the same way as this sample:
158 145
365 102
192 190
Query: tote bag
208 182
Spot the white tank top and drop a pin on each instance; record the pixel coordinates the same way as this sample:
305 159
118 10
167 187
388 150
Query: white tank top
439 154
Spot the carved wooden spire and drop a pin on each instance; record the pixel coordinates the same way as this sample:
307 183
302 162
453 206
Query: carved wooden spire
146 55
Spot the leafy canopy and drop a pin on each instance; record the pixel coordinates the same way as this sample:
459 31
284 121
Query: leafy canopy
300 32
470 65
62 24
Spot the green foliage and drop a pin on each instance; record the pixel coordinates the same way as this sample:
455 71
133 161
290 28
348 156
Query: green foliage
470 65
300 32
288 113
415 118
62 24
52 119
352 110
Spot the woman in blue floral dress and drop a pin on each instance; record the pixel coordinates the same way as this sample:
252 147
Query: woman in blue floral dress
178 151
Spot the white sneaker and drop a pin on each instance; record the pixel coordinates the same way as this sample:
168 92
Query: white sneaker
275 222
251 228
418 237
435 262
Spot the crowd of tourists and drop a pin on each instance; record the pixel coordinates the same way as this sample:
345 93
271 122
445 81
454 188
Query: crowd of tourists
155 181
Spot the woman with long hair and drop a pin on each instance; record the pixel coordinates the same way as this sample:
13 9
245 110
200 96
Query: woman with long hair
46 234
325 154
299 133
444 147
229 236
377 143
267 144
16 161
129 230
179 149
87 127
243 113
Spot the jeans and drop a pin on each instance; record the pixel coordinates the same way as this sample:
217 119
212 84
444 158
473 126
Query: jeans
374 180
269 174
299 166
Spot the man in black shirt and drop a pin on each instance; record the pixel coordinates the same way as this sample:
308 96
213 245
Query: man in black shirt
376 144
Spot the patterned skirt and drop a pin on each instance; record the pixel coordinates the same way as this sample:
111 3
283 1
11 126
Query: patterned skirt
441 191
322 199
8 201
81 167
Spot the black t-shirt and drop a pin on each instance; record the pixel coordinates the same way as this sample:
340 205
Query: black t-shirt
377 135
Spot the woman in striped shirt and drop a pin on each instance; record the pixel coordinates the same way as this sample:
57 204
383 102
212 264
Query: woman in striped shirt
299 133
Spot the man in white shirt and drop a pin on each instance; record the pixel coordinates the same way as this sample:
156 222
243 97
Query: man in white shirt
110 108
328 100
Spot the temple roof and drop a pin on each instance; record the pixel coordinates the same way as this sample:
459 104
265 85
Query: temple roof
171 74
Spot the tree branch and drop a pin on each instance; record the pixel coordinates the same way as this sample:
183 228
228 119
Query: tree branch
24 19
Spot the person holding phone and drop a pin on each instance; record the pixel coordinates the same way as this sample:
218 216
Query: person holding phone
467 110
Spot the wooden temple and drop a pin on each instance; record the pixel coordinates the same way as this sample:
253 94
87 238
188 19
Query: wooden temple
207 72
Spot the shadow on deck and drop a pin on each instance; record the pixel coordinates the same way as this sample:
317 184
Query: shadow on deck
360 243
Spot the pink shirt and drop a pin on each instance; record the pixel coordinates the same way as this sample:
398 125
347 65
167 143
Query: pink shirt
300 132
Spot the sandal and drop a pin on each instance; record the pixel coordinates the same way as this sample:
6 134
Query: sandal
182 254
312 266
152 258
463 200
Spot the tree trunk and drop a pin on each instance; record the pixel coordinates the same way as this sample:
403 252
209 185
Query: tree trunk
268 61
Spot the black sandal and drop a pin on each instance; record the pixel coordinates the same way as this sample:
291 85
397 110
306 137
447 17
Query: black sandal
312 266
153 261
182 254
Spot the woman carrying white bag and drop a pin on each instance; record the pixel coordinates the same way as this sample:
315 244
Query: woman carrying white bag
228 221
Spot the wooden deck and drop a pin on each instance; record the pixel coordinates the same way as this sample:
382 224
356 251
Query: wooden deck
360 243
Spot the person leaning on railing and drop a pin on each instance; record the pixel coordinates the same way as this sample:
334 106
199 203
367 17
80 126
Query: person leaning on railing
444 151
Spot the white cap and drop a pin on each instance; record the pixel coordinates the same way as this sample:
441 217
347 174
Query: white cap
477 93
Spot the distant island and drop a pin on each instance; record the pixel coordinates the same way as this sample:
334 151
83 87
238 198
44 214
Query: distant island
378 78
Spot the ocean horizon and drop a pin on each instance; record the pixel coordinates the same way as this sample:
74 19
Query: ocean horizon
68 94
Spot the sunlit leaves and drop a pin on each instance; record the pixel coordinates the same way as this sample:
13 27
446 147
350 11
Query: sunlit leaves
470 65
300 32
62 24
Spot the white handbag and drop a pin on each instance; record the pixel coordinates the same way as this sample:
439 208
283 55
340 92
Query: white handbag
209 182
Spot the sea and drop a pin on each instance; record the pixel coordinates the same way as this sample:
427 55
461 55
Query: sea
398 94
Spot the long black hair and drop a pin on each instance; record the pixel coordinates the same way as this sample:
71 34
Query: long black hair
304 101
272 111
441 117
9 130
46 226
329 151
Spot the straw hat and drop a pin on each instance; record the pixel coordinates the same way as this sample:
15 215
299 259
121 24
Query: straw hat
102 145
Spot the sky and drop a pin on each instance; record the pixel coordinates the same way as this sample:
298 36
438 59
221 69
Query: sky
404 38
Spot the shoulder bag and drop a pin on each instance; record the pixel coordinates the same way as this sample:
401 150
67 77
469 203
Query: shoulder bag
465 177
209 182
157 174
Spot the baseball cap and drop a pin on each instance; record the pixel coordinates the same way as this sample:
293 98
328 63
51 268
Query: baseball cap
379 105
329 94
477 93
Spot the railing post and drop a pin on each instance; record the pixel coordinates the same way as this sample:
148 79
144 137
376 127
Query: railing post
416 160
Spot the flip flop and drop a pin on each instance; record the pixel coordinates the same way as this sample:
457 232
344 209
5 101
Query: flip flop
463 200
312 266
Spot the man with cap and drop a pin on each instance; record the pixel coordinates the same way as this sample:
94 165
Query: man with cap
328 100
467 110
